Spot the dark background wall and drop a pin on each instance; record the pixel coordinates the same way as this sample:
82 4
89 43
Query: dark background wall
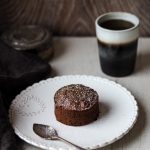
69 17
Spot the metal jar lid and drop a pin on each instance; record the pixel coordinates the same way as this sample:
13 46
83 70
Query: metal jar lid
27 37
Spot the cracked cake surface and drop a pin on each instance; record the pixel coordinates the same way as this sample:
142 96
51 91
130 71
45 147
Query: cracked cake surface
76 97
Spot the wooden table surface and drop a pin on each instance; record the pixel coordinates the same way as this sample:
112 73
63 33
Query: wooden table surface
80 56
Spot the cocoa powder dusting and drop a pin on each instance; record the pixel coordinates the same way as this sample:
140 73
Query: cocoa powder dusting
76 97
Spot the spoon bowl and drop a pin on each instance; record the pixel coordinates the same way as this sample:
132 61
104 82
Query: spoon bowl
44 131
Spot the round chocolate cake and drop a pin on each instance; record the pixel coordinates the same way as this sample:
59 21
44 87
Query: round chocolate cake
76 105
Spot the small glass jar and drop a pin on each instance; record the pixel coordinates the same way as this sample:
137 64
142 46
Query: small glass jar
30 38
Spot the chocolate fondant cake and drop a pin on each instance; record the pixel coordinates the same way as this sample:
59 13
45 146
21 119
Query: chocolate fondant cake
76 105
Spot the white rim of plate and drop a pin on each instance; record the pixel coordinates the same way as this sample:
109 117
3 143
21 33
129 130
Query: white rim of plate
45 146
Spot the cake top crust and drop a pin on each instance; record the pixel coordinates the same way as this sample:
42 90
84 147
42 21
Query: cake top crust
75 97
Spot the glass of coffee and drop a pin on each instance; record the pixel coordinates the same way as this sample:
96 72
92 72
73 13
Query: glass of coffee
117 35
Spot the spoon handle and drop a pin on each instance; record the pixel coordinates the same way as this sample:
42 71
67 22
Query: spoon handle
60 138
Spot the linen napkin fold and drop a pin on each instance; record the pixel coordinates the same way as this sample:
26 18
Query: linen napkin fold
17 71
7 136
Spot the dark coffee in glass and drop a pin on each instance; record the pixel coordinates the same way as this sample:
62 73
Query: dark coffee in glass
117 36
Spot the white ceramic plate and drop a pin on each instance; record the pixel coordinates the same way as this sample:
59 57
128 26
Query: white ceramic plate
36 105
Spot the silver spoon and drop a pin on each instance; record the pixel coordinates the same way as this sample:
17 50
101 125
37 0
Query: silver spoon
49 133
